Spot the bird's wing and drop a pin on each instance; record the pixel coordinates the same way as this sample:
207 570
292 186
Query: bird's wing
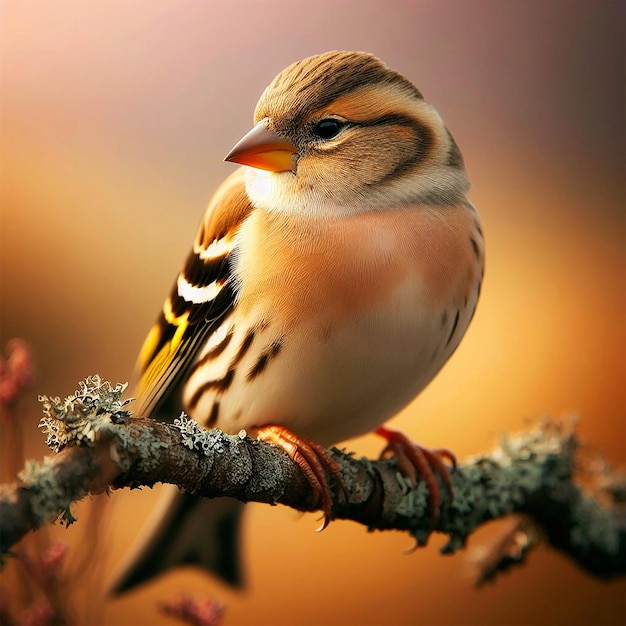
202 295
186 529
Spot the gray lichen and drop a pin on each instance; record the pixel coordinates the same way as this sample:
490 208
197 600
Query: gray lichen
48 497
414 506
195 437
77 419
531 474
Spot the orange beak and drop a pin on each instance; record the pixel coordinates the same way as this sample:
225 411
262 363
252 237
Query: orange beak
265 150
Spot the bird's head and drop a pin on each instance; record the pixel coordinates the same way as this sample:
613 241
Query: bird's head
340 133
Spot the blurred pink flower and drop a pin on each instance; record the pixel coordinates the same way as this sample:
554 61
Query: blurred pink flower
203 612
40 614
44 568
16 371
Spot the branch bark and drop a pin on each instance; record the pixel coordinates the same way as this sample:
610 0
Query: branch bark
102 446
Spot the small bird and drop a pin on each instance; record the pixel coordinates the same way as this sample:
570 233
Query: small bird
331 278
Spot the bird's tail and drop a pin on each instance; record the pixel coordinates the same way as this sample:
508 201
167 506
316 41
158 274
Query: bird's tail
185 530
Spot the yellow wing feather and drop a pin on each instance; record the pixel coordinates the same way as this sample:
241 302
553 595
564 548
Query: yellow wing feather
183 325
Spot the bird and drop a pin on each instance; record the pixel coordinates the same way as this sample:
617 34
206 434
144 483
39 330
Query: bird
333 274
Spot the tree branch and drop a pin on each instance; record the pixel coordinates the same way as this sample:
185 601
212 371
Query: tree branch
100 445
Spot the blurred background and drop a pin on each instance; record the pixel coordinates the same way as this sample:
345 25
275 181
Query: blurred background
115 118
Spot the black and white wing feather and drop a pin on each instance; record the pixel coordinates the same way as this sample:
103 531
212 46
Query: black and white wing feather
186 529
203 294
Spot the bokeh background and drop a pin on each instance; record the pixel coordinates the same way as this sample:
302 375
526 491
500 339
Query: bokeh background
115 117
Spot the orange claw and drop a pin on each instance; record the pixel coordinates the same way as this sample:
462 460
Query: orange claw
314 461
417 461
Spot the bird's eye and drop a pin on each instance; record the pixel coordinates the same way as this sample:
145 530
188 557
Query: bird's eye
328 128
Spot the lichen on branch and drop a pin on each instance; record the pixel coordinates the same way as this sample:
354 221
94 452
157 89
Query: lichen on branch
77 419
99 445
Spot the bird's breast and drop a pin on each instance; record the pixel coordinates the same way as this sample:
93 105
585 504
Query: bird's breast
338 323
308 271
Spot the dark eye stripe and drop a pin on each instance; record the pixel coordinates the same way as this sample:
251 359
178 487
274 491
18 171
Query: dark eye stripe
393 119
423 142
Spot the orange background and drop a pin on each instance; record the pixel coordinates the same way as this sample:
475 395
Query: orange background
115 118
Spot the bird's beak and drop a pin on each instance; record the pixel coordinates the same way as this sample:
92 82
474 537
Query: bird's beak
265 150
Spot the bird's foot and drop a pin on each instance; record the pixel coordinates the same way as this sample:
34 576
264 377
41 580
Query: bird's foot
314 461
416 461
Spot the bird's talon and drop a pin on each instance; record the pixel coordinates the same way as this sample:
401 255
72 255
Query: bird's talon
414 460
313 460
447 454
293 256
326 517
